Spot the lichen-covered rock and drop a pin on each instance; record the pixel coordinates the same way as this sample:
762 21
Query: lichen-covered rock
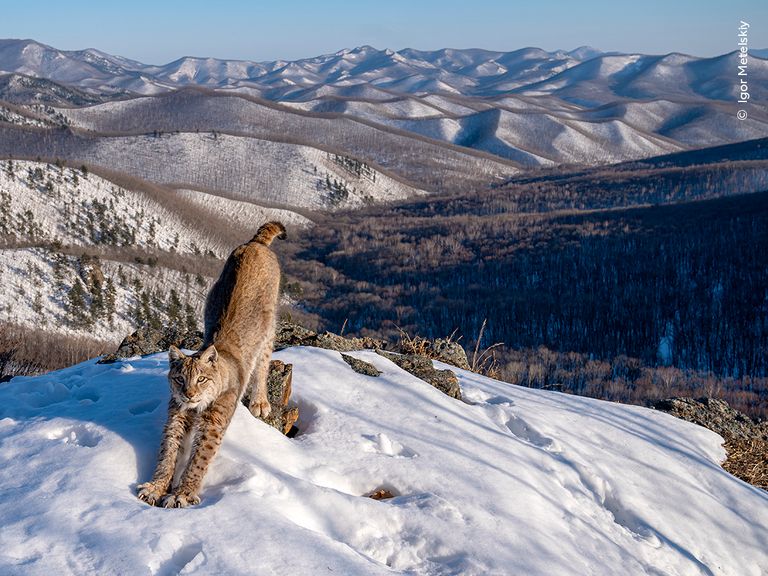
449 352
279 386
421 367
746 442
361 366
288 334
148 340
711 413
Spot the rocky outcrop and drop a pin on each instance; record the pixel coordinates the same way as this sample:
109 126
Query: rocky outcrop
147 340
283 415
449 352
442 349
421 367
746 442
714 414
288 334
361 366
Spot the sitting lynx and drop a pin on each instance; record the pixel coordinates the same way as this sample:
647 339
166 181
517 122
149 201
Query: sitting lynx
207 386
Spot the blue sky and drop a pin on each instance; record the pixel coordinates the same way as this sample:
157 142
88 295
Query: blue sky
160 31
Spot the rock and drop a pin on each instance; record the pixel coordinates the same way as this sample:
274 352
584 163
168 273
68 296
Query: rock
147 340
288 334
746 442
279 383
442 349
449 352
421 367
381 494
279 386
361 366
714 414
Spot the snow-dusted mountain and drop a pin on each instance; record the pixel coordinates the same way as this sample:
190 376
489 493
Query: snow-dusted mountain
529 107
510 481
469 72
473 71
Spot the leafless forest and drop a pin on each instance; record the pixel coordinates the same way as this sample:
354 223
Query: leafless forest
666 296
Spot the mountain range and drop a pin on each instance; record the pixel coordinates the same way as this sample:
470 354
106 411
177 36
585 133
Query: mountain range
530 107
467 72
192 153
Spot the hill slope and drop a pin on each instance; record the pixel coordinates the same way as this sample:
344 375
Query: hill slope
516 481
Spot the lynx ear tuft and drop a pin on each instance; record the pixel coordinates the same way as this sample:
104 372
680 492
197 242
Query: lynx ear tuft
210 354
174 354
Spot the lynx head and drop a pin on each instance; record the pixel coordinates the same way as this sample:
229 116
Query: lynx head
195 380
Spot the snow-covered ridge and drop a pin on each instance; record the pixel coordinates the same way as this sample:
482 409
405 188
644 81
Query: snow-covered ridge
514 481
469 72
51 215
529 106
45 202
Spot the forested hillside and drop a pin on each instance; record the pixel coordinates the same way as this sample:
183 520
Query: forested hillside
677 279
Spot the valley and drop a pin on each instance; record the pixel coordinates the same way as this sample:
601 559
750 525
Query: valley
578 207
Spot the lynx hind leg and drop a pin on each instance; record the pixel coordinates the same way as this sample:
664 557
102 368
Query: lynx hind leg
259 399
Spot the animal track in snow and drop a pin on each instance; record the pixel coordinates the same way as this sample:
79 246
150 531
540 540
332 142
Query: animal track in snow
500 401
520 428
602 493
144 407
87 395
79 435
180 551
383 444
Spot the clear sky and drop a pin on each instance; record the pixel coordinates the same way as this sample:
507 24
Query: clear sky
156 32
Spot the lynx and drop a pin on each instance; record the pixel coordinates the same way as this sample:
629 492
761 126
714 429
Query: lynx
207 386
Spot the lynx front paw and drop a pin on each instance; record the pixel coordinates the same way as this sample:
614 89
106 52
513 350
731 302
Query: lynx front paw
180 500
260 408
150 493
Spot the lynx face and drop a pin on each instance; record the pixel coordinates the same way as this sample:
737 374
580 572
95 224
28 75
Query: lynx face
195 380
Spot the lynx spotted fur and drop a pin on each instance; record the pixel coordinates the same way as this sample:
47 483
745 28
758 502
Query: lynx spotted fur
206 387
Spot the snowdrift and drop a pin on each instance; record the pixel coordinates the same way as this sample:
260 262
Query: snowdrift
511 481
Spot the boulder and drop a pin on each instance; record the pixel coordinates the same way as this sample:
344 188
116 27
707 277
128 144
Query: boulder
289 334
449 352
714 414
283 415
148 340
421 367
361 366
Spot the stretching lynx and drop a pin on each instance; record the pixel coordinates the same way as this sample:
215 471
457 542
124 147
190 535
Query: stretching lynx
207 386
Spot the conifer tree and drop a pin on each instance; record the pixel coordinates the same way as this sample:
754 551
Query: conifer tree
77 306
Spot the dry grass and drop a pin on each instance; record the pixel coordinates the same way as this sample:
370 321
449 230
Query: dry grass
415 344
484 361
748 460
26 351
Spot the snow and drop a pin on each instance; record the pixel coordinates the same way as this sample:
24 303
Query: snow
30 296
511 481
60 198
239 212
